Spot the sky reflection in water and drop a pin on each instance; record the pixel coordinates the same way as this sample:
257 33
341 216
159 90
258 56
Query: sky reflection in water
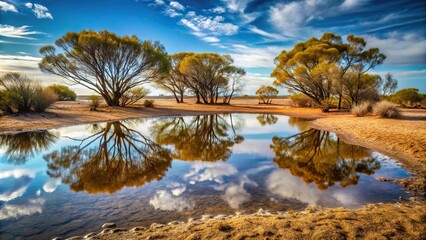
69 181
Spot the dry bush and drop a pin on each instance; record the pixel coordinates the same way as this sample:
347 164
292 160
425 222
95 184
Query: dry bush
95 102
149 103
362 109
386 109
301 100
43 98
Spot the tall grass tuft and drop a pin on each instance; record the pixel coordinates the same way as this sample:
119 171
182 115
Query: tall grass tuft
148 103
43 98
386 109
362 109
95 102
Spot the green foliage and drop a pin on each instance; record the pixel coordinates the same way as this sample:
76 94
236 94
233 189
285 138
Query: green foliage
266 94
21 94
407 97
148 103
385 109
64 93
301 100
389 85
327 67
95 102
362 109
104 62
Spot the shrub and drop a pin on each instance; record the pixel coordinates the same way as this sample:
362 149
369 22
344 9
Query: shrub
64 93
22 94
133 96
386 109
266 94
407 97
149 103
95 102
301 100
362 109
43 98
6 105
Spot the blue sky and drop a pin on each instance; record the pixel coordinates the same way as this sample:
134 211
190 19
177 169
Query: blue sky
254 32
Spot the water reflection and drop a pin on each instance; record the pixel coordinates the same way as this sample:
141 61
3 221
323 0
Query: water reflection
205 138
267 119
317 157
114 156
22 146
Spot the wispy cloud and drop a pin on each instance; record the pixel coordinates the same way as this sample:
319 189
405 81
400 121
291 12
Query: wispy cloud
400 48
177 5
17 32
7 7
269 35
39 10
208 25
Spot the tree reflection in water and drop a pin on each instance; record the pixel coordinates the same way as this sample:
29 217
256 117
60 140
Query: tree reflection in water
204 138
317 157
113 157
267 119
21 146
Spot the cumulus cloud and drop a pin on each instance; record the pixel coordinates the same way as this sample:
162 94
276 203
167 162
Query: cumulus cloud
172 12
165 201
51 185
218 10
208 25
7 7
159 2
39 10
236 195
17 32
177 5
13 211
206 171
236 5
287 186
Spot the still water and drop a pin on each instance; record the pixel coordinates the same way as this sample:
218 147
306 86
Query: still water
68 181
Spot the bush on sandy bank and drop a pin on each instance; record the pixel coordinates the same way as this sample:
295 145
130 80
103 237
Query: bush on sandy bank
386 109
362 109
21 94
148 103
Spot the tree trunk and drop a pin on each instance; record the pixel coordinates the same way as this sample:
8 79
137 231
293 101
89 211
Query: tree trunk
181 97
339 106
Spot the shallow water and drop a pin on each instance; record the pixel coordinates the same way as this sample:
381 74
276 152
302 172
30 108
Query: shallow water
68 181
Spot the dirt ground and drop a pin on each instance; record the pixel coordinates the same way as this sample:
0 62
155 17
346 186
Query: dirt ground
379 221
404 139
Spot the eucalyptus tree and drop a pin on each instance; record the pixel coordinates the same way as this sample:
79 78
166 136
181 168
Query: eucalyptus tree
206 74
174 81
105 63
327 67
236 83
266 94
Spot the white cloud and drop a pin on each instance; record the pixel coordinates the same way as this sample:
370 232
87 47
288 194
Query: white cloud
351 4
165 201
206 171
211 39
159 2
400 49
236 5
218 10
177 5
209 25
7 7
51 185
246 56
172 12
8 196
236 195
17 32
27 65
261 32
17 173
178 191
283 184
39 10
12 211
